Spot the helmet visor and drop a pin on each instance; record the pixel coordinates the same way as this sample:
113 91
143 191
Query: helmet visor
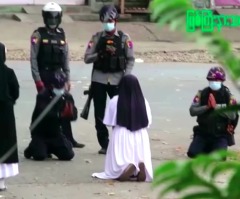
52 18
51 15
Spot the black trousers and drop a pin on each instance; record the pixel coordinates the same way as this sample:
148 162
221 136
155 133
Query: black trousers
40 147
100 92
203 145
47 75
67 129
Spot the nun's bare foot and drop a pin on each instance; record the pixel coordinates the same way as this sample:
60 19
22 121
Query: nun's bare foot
127 173
142 174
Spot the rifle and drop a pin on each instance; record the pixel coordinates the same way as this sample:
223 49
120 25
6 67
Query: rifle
85 112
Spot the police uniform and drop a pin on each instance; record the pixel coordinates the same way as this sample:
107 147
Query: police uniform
107 72
49 53
211 132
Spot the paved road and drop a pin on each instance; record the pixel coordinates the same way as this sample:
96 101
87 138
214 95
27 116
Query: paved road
169 88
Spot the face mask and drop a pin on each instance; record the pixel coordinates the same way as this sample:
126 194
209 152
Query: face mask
215 85
52 26
108 26
52 23
58 92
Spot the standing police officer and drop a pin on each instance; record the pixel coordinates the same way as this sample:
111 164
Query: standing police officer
111 52
49 54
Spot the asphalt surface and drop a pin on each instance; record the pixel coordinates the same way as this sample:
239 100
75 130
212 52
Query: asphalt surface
169 88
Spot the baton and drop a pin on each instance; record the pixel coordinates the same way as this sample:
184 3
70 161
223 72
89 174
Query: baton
44 112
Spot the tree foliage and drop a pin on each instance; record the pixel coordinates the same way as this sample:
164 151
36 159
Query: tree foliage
184 176
198 176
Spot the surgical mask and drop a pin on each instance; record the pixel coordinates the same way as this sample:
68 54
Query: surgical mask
52 23
52 26
108 26
214 85
58 92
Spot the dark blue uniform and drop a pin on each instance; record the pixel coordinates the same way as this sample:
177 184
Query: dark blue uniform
48 136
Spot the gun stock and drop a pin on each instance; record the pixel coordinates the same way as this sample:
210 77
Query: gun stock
85 112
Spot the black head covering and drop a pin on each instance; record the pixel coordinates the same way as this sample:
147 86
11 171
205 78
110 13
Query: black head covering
3 77
131 108
58 80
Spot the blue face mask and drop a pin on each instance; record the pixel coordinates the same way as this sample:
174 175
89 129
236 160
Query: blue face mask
215 85
58 92
108 26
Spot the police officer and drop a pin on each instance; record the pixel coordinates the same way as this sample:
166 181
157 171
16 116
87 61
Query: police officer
49 53
111 52
48 135
215 130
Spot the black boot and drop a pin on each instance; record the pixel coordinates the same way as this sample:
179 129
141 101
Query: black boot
102 151
77 145
27 153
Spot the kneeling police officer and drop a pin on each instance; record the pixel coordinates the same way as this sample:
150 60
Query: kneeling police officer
215 130
48 135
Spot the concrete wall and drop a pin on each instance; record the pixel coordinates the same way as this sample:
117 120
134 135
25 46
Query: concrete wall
41 2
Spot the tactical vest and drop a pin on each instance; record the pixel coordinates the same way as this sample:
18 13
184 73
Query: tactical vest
114 63
51 50
209 122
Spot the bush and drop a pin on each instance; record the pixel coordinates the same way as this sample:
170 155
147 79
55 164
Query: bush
198 175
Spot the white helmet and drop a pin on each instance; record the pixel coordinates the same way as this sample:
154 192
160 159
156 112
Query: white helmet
52 14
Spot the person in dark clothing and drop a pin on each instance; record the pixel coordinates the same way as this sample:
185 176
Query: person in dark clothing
9 93
49 54
112 55
48 135
215 130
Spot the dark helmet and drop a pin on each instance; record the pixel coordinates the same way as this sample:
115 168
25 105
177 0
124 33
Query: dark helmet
52 14
109 12
216 73
58 80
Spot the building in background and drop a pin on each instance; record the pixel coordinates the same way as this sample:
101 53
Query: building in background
134 7
41 2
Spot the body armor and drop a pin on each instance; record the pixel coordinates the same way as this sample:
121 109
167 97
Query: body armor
111 63
51 50
210 123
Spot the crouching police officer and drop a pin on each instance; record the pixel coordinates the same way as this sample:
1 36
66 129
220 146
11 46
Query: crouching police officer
48 135
49 53
215 130
111 52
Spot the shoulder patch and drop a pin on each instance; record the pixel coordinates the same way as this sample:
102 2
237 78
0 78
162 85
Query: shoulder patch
233 100
35 37
197 97
94 39
90 44
129 42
